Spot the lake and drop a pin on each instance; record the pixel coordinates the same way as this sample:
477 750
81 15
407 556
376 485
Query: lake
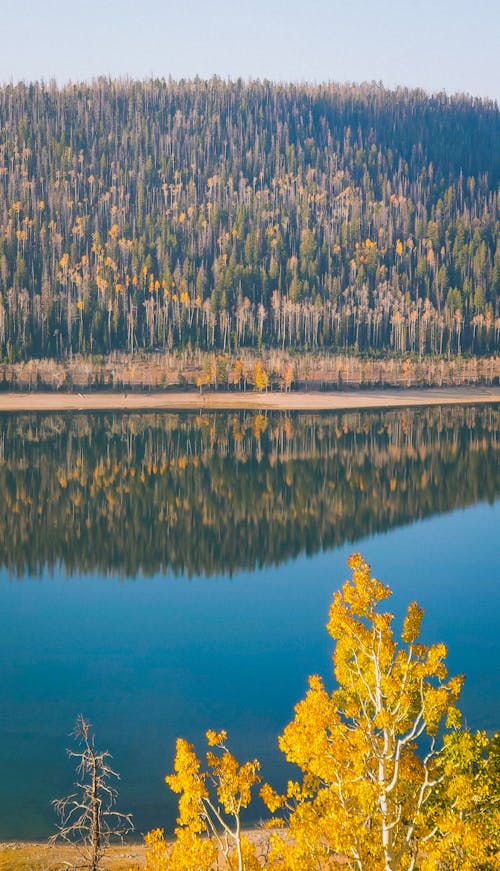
167 573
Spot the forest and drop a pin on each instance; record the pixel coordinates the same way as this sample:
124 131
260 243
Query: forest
128 495
218 216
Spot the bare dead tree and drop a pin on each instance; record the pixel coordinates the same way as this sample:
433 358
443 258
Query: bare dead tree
87 817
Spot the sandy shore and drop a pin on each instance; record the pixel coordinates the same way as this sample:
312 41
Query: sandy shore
271 401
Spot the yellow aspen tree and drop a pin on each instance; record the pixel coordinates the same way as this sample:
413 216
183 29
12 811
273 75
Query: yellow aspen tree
364 785
260 378
210 805
190 851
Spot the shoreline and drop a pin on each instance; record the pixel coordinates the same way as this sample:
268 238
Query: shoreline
130 855
271 401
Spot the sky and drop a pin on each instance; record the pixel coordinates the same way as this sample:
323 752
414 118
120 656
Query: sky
438 45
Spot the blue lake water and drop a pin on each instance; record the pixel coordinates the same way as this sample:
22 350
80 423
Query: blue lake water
145 637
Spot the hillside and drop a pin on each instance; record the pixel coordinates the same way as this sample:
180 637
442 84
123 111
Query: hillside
218 215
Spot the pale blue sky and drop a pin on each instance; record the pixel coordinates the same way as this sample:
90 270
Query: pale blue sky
451 45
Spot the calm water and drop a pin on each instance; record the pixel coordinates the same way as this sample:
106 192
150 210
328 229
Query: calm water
164 574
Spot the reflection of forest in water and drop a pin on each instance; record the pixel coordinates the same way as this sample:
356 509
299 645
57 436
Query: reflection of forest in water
221 492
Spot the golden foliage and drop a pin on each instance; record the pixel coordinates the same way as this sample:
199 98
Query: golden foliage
364 786
209 824
375 793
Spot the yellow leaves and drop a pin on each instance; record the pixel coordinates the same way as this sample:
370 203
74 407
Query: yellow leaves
203 812
315 740
358 598
260 378
190 784
412 623
271 798
356 746
455 685
464 843
316 683
154 837
249 860
215 738
234 782
435 706
294 790
453 718
157 850
355 561
465 810
187 853
363 790
382 720
434 664
191 853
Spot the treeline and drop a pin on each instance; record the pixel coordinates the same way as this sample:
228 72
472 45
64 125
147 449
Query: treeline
130 494
249 369
217 215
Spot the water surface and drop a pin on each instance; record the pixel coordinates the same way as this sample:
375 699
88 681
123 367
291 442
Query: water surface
164 574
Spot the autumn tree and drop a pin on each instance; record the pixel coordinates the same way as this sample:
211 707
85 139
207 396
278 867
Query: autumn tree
210 806
260 378
389 779
463 813
369 750
88 817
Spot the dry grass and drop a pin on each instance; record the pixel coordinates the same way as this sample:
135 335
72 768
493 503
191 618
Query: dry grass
303 371
46 857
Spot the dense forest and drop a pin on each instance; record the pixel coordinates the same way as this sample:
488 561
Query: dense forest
138 216
130 494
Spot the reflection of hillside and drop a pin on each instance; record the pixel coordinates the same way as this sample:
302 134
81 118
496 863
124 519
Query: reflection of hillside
222 492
